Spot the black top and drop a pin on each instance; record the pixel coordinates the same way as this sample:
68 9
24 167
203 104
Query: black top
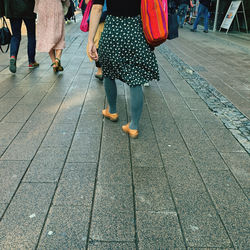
206 2
118 8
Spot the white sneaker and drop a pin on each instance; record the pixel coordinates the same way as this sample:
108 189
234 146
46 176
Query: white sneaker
146 84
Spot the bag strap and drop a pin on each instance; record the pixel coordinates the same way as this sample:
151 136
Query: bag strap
6 49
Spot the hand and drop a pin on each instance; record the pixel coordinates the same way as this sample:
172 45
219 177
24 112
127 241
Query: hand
92 52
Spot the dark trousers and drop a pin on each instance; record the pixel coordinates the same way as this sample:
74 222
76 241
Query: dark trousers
16 24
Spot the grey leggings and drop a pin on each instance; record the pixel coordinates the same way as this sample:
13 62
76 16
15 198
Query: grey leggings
136 98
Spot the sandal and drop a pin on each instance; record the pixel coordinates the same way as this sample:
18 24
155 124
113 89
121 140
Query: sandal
55 67
58 64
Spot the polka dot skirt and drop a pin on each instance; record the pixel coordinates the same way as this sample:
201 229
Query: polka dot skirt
124 52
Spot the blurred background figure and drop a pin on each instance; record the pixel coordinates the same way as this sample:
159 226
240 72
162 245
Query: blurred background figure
18 12
182 11
51 29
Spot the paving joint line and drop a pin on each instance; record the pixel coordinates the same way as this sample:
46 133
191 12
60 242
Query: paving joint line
234 120
198 171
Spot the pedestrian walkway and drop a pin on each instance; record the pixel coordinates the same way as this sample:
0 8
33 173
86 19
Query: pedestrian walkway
73 180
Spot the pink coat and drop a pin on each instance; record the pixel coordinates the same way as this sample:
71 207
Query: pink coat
50 25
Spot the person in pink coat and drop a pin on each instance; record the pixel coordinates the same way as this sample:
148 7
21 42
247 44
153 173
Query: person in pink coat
51 30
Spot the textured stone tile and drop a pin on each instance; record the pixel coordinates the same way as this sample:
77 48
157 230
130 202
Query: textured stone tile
209 161
2 209
198 217
44 171
159 230
224 141
151 189
23 221
60 139
111 245
16 152
12 173
146 154
239 164
67 114
76 185
112 226
196 103
65 228
8 131
19 113
232 205
114 170
113 198
85 148
91 124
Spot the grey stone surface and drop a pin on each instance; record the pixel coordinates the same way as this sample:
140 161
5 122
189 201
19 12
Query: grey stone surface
112 226
85 148
159 230
231 204
90 124
65 228
24 218
2 209
8 131
151 189
239 164
224 141
95 245
193 202
76 185
12 172
113 198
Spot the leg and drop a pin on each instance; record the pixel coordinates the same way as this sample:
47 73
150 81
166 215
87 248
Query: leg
136 98
111 93
58 59
205 18
58 53
198 17
16 24
52 55
31 31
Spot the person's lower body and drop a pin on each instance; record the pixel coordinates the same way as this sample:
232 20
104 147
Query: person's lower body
202 10
55 56
136 98
16 24
181 14
98 74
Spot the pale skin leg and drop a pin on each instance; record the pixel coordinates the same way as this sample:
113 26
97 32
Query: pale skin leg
55 54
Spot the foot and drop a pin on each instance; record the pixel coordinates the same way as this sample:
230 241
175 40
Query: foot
133 133
146 84
112 117
33 65
205 31
54 67
12 66
99 76
181 26
193 30
58 65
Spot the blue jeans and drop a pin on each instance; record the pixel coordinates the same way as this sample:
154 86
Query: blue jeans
201 10
16 24
183 11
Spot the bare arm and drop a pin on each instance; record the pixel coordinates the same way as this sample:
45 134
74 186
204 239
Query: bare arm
95 17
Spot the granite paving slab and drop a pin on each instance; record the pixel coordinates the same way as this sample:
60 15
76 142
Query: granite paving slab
24 218
65 228
12 173
95 245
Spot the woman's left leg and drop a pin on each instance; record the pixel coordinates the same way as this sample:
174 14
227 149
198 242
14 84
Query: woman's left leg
136 99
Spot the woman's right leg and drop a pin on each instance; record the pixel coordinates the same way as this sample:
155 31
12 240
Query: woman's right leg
16 24
111 93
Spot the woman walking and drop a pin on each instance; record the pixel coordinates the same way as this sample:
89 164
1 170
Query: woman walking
51 30
124 54
17 12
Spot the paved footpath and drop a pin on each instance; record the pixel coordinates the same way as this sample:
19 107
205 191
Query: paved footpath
73 180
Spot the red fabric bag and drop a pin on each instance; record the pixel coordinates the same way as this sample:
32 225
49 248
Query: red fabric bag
84 26
154 14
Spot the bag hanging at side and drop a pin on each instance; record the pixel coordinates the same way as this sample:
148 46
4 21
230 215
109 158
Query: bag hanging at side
154 14
84 26
5 36
172 20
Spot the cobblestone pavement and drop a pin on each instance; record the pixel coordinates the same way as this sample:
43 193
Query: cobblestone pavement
73 180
